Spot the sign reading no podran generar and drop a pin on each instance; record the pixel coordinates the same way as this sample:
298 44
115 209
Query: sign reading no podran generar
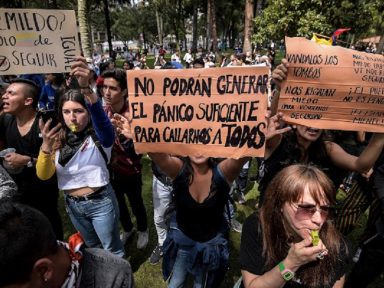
216 112
37 41
332 87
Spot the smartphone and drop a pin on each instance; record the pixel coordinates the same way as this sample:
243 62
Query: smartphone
48 114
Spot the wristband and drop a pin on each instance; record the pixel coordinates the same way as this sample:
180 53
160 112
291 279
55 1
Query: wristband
285 272
88 89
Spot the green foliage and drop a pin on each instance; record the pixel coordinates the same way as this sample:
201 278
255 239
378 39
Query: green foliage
229 18
37 4
377 12
302 18
129 22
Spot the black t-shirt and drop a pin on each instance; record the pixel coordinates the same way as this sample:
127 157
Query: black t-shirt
29 144
251 256
29 185
200 221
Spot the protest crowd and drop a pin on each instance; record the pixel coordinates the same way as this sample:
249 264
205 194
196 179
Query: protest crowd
70 134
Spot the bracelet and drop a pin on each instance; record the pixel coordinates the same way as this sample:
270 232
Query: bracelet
45 152
89 90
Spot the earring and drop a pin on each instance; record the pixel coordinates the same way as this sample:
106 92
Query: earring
45 280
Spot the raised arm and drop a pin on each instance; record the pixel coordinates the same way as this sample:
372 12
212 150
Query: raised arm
275 131
361 164
231 167
168 164
45 166
278 76
103 127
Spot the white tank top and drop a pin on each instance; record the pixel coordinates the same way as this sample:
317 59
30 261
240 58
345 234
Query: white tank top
87 168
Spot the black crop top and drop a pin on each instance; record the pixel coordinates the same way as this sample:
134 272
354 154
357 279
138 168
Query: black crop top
200 221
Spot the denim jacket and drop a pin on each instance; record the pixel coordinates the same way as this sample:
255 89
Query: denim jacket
211 256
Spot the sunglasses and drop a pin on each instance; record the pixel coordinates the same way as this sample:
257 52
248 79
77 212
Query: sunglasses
310 209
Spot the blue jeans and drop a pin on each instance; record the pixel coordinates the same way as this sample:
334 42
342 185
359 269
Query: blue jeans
179 273
97 220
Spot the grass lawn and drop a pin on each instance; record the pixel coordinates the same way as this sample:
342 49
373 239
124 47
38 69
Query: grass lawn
147 275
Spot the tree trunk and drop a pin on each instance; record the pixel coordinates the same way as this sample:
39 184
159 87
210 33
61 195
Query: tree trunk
194 28
159 22
214 32
259 7
84 28
380 46
52 4
177 26
248 25
108 24
209 24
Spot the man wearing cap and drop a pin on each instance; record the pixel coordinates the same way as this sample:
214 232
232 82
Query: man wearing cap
19 129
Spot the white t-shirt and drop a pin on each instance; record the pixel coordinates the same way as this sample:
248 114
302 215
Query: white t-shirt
87 168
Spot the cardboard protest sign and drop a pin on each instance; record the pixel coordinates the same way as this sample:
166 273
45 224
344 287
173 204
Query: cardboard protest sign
37 41
332 87
216 112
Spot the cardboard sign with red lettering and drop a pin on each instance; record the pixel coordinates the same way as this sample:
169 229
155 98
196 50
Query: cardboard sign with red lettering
37 41
332 87
215 112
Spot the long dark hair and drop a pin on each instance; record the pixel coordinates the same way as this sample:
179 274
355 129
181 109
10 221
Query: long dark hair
75 96
288 187
211 163
316 152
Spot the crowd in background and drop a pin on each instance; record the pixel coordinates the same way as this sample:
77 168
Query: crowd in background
62 137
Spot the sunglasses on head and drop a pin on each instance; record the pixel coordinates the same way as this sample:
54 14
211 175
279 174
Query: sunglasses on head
310 209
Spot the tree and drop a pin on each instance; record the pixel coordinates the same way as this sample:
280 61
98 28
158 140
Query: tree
37 4
213 25
302 18
82 13
194 26
108 26
52 4
130 22
377 10
230 22
209 24
248 25
160 25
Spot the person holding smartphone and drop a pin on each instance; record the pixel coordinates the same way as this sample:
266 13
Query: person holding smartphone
80 158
